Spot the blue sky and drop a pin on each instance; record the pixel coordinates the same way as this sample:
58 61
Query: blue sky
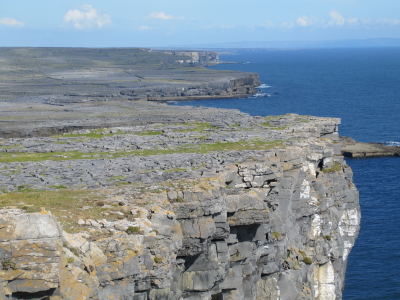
152 23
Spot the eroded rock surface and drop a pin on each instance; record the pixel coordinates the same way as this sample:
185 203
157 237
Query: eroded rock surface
275 220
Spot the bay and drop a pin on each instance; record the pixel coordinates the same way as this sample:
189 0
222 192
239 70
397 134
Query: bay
362 87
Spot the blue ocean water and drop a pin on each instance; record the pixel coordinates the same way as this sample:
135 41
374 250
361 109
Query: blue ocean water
362 87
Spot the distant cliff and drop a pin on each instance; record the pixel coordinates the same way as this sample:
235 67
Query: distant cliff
243 86
238 208
196 57
60 76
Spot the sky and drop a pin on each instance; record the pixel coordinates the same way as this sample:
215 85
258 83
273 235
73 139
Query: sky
163 23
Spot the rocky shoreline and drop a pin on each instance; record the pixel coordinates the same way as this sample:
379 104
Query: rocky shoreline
353 149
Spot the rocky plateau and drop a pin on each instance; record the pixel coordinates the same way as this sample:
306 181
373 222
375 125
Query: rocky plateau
106 197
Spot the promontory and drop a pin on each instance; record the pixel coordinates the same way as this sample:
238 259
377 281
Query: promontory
108 193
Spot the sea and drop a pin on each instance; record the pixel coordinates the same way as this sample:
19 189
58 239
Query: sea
362 87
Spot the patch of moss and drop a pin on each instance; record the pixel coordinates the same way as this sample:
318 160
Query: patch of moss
74 251
116 178
133 230
9 264
175 170
31 208
307 260
94 134
276 234
336 167
158 259
58 187
198 127
149 132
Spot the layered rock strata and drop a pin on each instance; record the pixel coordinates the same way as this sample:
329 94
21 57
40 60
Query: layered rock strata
274 217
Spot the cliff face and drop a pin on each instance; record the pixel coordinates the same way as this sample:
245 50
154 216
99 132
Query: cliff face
241 86
271 223
196 57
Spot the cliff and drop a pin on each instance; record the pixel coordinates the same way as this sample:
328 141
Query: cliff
238 208
353 149
58 76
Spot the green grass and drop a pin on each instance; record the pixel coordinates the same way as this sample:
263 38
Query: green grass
336 167
149 132
269 125
189 148
11 147
133 230
198 127
58 187
65 204
91 135
116 178
175 170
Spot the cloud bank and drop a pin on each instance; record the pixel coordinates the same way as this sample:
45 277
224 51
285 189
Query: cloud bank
87 17
10 22
338 20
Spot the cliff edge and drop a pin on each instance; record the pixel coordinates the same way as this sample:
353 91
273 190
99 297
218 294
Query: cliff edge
235 208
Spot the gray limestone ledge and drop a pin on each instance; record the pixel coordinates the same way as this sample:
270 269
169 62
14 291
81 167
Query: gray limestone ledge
247 208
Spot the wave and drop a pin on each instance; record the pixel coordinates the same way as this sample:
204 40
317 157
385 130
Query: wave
259 95
263 86
397 144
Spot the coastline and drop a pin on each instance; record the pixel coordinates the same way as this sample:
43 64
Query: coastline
358 150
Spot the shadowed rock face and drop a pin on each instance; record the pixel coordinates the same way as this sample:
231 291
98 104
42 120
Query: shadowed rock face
273 223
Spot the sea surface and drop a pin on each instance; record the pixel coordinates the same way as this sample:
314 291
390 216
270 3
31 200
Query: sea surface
362 87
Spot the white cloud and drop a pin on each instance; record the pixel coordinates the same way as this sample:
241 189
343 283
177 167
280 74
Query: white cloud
388 22
268 24
144 28
162 16
336 18
10 22
87 17
287 25
306 21
353 21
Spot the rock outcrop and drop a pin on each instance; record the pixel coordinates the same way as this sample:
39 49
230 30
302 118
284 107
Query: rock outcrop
353 149
273 220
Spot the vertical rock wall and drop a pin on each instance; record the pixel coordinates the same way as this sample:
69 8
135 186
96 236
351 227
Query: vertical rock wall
277 225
